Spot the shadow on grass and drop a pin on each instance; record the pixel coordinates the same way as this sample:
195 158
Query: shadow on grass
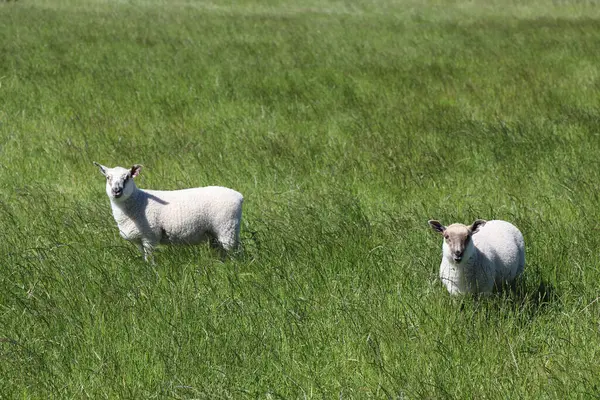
542 295
524 299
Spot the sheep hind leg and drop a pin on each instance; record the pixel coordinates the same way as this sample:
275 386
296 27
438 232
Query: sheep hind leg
229 241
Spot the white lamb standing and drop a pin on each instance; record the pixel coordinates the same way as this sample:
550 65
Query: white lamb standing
188 216
481 257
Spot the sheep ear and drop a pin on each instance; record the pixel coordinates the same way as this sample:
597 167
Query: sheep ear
135 170
477 225
437 226
101 167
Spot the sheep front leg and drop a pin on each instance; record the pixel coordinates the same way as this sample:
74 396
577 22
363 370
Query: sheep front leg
146 249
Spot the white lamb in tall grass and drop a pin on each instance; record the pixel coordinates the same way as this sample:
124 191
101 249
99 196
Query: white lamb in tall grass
481 257
188 216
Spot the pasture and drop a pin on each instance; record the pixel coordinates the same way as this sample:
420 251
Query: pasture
346 125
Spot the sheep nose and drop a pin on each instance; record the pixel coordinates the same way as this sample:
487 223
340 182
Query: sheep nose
457 255
118 192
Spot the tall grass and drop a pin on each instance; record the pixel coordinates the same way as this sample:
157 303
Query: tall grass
346 125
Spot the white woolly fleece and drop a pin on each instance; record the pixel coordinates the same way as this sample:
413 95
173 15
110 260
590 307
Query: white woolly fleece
189 216
496 256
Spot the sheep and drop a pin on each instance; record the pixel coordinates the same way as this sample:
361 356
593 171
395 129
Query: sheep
481 257
188 216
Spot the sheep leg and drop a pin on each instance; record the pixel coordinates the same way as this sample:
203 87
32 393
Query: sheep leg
229 239
146 249
228 244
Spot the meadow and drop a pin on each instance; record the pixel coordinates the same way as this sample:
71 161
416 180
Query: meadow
346 125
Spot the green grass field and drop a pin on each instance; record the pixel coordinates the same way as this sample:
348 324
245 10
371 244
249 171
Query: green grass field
346 125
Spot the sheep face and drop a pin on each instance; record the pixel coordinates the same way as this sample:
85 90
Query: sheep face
457 245
119 181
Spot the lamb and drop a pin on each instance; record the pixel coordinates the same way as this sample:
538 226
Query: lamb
188 216
481 257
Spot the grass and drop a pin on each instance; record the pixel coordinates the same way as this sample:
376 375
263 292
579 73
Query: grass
346 125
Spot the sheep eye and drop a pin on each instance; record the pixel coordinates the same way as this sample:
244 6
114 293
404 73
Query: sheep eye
446 236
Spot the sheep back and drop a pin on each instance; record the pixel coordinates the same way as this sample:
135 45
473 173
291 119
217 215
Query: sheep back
186 216
501 249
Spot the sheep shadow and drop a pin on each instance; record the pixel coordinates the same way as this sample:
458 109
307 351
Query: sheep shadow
528 300
531 299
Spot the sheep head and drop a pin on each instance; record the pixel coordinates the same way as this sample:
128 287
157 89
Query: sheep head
119 180
457 239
